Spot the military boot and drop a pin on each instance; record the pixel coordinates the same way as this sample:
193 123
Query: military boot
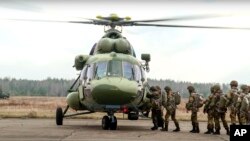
193 128
209 131
217 132
196 128
177 127
228 132
155 127
166 127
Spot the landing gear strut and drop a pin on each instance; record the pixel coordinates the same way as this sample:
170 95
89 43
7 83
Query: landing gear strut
60 114
109 122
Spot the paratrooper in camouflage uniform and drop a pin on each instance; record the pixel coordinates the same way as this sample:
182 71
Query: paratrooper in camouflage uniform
248 113
170 106
193 106
209 111
219 102
243 105
155 99
232 97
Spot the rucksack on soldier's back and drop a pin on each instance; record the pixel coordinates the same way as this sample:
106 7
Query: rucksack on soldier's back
177 98
200 100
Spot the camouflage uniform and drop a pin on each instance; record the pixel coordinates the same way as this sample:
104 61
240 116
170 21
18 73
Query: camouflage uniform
209 111
248 113
232 97
192 105
242 105
220 109
170 109
155 99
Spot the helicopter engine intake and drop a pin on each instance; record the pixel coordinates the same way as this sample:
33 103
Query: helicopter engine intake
119 45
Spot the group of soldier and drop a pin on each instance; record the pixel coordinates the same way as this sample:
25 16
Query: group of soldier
215 106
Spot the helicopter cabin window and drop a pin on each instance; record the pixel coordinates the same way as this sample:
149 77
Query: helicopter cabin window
101 69
143 75
138 75
90 69
83 74
128 71
115 68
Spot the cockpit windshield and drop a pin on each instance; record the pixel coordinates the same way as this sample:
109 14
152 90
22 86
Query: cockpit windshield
117 68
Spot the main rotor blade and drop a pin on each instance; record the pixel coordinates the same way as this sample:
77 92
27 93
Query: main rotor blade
190 26
178 18
96 22
32 20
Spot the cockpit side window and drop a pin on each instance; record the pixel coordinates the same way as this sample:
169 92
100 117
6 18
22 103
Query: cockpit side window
128 71
101 69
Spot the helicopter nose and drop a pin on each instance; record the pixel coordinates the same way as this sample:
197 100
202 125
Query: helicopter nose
114 91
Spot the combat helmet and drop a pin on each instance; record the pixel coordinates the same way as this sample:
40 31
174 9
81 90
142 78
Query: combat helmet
244 88
216 88
167 88
158 88
152 88
234 83
212 89
190 88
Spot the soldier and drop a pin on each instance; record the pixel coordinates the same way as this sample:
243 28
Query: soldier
170 105
232 97
162 100
194 104
219 102
156 106
248 113
209 111
242 105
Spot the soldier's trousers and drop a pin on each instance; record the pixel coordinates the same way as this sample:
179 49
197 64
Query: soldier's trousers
217 117
194 119
172 114
157 117
210 120
243 118
248 118
233 114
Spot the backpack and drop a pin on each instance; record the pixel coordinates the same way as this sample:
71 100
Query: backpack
200 100
177 98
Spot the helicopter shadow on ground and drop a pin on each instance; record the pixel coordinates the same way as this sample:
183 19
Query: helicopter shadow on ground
127 128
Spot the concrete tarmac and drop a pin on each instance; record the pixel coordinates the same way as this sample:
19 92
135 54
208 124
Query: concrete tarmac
90 130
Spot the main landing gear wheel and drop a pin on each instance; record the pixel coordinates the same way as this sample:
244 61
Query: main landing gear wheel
109 123
113 123
59 116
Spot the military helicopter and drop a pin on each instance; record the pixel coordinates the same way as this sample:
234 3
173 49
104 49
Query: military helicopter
112 79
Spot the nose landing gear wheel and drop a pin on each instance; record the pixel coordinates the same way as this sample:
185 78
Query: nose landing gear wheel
105 122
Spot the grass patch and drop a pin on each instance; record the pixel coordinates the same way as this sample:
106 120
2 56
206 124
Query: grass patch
45 107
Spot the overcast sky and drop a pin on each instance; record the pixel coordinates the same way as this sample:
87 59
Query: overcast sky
37 50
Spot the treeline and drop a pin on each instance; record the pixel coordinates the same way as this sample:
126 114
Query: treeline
181 86
24 87
59 87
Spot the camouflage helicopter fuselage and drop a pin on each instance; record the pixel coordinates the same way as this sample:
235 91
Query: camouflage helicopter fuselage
109 82
112 79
